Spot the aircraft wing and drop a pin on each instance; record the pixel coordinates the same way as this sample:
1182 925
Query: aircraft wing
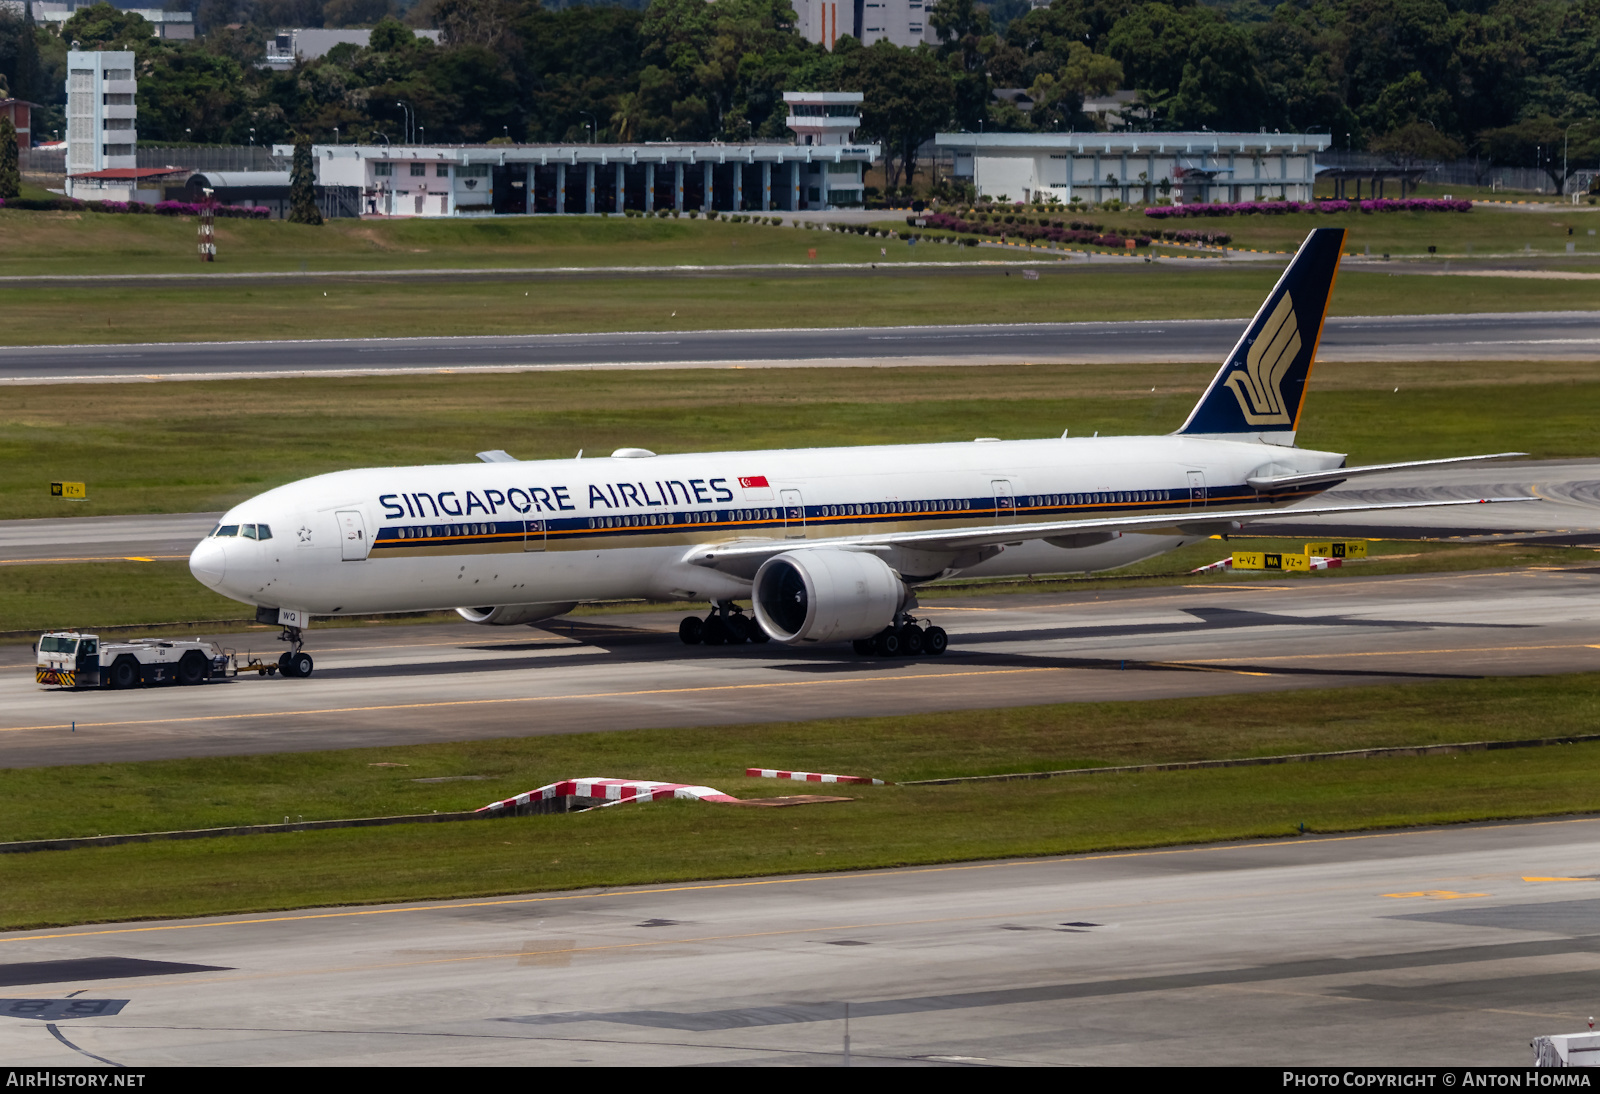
1266 483
744 555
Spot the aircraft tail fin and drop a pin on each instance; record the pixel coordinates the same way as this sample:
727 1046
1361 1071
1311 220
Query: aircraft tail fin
1261 387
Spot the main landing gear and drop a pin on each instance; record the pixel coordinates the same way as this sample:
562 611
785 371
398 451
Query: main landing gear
727 625
904 639
294 664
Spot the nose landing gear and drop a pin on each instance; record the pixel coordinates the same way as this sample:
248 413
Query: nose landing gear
294 664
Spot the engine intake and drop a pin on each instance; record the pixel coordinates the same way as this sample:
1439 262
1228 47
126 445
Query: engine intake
509 615
826 595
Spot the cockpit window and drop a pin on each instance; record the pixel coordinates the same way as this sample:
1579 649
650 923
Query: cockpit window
263 531
248 531
215 530
227 529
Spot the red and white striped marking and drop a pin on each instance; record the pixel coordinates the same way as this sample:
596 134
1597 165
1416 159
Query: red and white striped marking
1220 564
810 776
614 791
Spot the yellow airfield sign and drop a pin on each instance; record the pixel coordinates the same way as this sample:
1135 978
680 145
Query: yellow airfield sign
72 491
1348 548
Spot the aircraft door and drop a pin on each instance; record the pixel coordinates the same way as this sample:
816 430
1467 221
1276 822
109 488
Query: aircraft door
1005 502
1197 489
533 539
794 514
353 542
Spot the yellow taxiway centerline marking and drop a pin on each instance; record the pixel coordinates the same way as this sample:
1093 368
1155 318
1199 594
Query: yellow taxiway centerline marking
1435 894
90 558
1560 879
1411 833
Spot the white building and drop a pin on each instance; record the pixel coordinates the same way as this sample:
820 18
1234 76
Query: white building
903 22
163 24
101 125
1137 167
423 180
823 117
309 43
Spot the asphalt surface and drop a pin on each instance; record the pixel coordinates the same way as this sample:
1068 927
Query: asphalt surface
1424 947
1568 511
383 685
1509 336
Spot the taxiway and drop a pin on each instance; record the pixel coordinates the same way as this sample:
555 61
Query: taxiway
1419 947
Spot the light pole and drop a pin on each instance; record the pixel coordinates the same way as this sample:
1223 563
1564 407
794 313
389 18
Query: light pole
594 123
252 136
407 114
422 134
336 134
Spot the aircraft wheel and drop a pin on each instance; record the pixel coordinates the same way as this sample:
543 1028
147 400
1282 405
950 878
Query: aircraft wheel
887 644
690 630
935 641
714 632
300 666
756 634
286 662
863 646
911 640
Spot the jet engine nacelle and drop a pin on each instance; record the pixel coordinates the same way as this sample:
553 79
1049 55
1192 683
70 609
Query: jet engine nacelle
509 615
826 595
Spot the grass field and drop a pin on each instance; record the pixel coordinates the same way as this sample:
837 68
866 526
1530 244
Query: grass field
94 243
883 826
350 308
196 447
103 243
1483 232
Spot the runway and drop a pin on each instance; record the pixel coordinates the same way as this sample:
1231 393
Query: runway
1422 947
377 686
1507 336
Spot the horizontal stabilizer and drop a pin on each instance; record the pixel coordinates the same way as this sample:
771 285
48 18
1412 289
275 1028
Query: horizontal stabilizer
498 455
1339 474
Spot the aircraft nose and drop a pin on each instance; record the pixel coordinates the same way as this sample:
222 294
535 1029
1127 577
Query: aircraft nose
207 562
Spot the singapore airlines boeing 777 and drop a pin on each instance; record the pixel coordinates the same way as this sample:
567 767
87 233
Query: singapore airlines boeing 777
829 544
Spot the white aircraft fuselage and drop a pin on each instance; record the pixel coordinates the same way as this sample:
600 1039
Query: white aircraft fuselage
472 535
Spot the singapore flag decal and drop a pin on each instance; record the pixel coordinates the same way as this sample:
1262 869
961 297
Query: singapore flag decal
748 481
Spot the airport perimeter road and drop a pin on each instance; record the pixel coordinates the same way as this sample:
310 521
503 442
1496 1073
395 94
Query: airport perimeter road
1510 336
1413 948
377 686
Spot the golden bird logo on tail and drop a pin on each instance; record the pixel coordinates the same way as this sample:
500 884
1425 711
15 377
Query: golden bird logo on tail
1258 385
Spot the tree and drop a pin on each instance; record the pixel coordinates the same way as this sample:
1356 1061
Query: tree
1415 142
19 53
105 27
1541 141
908 97
302 184
10 177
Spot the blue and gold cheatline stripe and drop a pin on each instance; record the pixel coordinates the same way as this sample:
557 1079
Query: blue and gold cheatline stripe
472 537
